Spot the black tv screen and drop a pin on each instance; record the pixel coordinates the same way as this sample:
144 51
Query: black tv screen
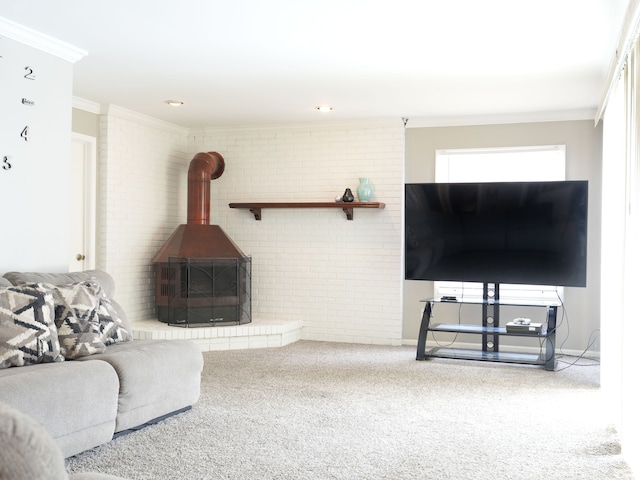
503 232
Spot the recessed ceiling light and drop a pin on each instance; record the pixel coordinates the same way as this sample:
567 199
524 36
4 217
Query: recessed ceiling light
324 108
174 103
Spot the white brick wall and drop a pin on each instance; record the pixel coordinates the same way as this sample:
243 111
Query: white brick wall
142 198
342 279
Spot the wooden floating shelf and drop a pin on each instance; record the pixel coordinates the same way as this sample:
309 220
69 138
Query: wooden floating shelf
347 207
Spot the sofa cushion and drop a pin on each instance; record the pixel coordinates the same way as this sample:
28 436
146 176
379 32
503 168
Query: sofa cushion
28 452
75 401
28 333
4 282
157 377
103 278
100 276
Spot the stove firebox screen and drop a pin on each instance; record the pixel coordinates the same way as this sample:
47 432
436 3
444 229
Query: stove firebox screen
204 291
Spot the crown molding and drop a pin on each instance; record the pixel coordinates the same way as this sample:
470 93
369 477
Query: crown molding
40 41
86 105
120 112
532 117
327 125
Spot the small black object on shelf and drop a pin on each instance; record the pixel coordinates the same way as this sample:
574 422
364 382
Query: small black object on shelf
347 196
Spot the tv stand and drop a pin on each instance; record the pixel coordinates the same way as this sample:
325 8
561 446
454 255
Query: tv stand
490 331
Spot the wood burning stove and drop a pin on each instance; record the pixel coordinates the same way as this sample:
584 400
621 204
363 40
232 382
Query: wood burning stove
202 277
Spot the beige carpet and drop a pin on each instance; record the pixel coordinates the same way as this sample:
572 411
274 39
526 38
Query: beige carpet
316 410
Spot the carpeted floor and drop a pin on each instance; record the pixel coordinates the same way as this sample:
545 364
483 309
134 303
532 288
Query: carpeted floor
316 410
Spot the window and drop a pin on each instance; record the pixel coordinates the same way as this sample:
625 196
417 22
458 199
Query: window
520 164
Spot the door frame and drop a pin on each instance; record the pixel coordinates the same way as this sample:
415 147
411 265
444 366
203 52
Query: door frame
89 188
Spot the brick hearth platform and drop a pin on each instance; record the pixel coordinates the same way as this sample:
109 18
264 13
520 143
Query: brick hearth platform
257 334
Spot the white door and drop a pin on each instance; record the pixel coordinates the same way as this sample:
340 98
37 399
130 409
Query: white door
82 198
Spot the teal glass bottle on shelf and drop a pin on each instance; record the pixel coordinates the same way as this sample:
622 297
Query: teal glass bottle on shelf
364 190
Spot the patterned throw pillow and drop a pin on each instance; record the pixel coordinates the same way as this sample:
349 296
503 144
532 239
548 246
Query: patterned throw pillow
77 319
28 333
86 320
113 327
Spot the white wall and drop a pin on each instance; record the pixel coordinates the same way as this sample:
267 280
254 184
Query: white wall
341 278
583 162
620 235
142 171
34 191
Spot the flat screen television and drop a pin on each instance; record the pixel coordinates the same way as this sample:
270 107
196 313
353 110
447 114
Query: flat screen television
498 232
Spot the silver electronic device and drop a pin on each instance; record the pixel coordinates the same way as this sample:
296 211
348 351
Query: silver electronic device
523 325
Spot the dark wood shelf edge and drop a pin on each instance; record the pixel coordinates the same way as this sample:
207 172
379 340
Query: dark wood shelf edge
256 207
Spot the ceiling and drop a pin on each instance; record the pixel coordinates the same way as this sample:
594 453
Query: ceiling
240 62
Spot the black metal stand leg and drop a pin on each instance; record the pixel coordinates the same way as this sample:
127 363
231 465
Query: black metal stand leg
422 334
490 317
550 358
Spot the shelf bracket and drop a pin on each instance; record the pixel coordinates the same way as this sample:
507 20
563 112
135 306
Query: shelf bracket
257 213
349 212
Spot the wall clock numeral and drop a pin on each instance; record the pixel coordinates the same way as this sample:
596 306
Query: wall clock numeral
25 133
29 75
6 165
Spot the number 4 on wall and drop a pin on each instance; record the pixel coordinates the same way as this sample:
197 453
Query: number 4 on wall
25 133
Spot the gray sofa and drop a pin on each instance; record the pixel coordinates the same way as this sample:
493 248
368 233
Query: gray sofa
122 386
29 453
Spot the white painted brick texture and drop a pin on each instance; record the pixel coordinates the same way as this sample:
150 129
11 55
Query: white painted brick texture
342 279
142 192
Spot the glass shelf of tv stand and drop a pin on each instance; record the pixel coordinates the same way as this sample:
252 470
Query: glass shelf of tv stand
545 358
515 302
463 328
480 355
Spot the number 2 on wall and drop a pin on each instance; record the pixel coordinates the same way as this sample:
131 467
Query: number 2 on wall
29 75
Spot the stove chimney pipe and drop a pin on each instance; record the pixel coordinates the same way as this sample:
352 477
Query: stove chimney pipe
203 168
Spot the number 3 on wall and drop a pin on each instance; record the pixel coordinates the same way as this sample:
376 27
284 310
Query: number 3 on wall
25 133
